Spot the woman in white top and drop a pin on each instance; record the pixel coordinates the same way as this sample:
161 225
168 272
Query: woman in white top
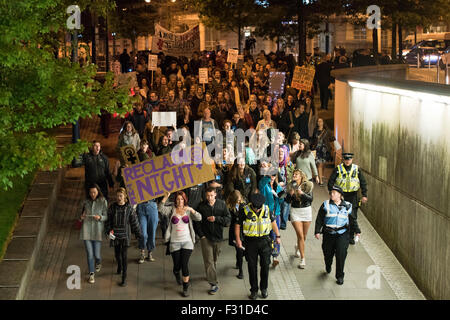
180 235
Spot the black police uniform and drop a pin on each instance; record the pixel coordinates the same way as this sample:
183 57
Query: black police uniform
254 247
335 244
351 197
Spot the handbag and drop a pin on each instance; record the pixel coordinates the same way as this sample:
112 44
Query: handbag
78 224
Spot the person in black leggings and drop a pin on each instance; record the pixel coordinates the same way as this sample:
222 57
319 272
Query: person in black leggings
180 235
122 220
234 203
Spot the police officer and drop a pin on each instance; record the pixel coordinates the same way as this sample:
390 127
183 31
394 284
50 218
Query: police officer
333 220
256 222
348 176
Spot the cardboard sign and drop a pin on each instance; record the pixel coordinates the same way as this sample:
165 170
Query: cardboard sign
152 62
128 80
203 75
276 83
303 78
129 155
149 179
164 119
232 56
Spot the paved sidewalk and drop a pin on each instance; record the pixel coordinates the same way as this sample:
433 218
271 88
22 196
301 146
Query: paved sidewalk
155 281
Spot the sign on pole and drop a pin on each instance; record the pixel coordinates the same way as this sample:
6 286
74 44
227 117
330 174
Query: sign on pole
203 75
152 62
150 179
232 56
129 155
164 119
303 78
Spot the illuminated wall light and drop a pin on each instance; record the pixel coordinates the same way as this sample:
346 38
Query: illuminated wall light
402 92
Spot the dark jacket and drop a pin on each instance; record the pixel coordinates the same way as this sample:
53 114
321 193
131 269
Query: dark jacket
284 121
97 169
213 231
234 213
122 218
320 224
246 184
139 120
195 195
305 199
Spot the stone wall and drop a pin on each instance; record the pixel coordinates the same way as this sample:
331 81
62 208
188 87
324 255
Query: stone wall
401 141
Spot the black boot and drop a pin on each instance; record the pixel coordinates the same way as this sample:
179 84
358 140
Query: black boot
185 289
119 268
124 280
241 274
177 277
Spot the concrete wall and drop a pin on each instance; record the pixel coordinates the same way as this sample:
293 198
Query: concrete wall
401 141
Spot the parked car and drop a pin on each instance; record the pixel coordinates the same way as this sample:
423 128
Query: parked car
427 56
440 45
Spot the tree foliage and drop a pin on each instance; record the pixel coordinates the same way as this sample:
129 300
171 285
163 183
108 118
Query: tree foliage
39 91
228 15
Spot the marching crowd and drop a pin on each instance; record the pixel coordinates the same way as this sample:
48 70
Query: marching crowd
244 197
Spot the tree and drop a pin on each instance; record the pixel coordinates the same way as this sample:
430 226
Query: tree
230 15
295 19
38 91
401 14
135 21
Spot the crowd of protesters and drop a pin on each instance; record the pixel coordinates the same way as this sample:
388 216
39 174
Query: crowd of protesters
236 97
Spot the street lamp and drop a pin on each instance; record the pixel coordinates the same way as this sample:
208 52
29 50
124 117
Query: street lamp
148 1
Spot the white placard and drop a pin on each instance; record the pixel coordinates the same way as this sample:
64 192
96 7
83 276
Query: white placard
232 56
164 119
203 75
152 62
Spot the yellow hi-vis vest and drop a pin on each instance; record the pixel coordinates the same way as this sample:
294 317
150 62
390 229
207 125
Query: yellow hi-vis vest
348 181
254 225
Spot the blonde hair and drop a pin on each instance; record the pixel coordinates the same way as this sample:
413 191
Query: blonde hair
303 175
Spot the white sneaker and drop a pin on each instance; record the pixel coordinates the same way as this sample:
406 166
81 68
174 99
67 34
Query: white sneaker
150 257
297 252
302 264
91 278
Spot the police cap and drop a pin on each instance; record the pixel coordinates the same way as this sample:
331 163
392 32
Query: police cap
338 189
347 155
257 200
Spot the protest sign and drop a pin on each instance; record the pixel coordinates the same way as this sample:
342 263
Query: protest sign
129 154
164 119
176 44
203 75
232 56
276 83
128 80
152 62
150 179
303 78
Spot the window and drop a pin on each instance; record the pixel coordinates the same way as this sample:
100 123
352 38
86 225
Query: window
384 39
359 33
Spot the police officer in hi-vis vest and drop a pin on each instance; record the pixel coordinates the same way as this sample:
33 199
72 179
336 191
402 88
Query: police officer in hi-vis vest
334 220
256 222
348 176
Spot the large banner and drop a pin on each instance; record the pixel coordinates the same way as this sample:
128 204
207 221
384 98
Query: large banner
149 179
303 78
176 44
